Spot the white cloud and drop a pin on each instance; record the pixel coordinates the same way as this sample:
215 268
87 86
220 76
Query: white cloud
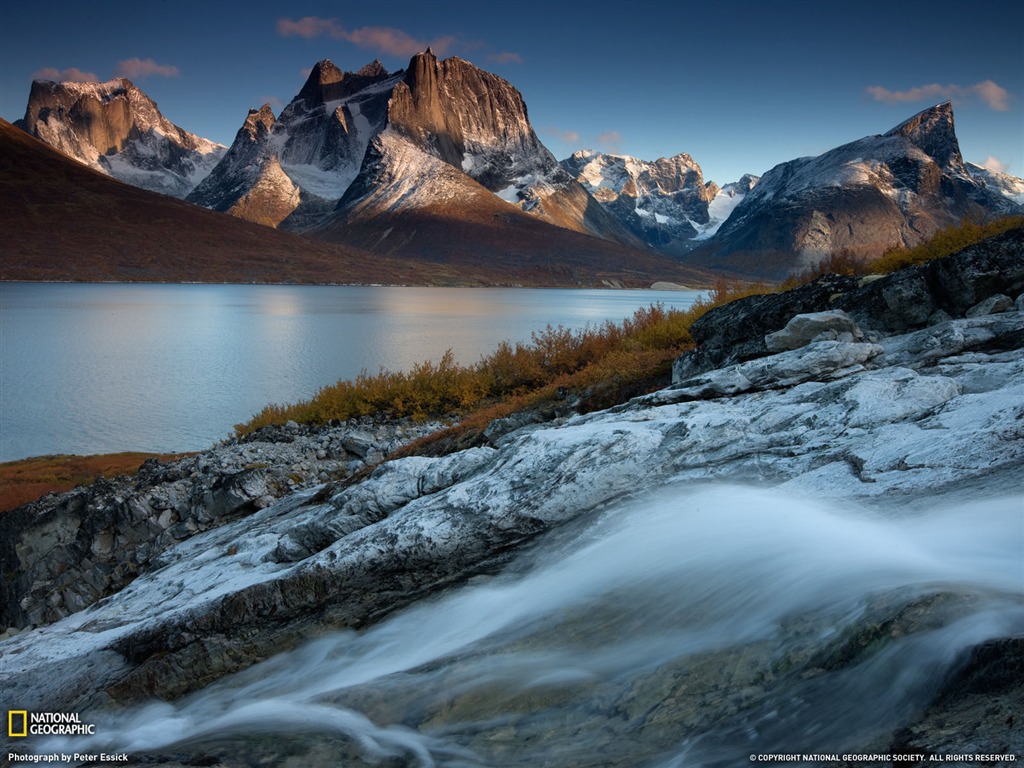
505 57
274 102
73 75
569 137
987 91
997 97
993 163
140 69
386 40
609 141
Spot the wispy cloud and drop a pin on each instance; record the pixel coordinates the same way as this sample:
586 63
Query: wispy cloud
310 27
140 69
993 163
987 91
274 102
569 137
386 40
997 97
505 57
73 74
609 141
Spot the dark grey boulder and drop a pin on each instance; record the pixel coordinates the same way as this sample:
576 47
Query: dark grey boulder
905 300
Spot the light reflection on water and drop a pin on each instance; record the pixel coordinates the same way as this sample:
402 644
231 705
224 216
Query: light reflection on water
101 368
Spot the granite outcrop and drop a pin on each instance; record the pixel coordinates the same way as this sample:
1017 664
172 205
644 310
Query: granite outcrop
66 551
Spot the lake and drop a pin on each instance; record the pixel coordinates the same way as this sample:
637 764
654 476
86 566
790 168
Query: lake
100 368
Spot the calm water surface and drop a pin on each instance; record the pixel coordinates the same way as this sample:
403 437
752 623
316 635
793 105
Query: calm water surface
102 368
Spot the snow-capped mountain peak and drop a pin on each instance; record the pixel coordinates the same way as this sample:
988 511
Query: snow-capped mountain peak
116 129
879 192
665 202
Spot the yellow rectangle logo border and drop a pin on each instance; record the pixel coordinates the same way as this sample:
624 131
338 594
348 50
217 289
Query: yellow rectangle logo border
10 722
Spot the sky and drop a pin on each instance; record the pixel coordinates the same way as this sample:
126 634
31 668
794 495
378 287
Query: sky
739 85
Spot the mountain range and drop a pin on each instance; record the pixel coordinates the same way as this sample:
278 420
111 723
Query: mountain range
63 221
439 163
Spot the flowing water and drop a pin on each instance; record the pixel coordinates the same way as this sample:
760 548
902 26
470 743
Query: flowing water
691 628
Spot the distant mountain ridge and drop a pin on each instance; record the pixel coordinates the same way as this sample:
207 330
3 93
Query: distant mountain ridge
665 202
61 221
1000 183
876 193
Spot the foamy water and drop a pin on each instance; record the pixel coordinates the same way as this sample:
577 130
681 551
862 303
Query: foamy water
664 581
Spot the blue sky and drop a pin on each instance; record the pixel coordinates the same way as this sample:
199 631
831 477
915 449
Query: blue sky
740 85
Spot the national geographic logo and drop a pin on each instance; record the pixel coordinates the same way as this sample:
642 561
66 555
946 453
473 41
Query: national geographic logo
21 722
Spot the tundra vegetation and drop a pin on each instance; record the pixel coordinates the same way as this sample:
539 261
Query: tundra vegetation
28 479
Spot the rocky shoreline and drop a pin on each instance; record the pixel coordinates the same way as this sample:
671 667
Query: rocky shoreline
904 394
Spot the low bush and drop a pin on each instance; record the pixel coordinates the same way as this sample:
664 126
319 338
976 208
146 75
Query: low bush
945 242
608 359
27 479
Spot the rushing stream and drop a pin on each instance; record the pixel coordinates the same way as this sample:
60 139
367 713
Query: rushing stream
691 628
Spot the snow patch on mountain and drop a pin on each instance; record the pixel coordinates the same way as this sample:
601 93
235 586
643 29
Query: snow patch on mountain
327 184
1004 184
719 210
401 176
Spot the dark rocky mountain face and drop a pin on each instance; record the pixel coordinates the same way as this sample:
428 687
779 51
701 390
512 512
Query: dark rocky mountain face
873 194
115 128
328 124
64 221
290 171
478 123
328 83
932 132
353 147
249 182
471 119
295 173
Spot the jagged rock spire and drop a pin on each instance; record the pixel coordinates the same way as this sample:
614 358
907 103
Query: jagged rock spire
931 130
257 123
373 69
322 84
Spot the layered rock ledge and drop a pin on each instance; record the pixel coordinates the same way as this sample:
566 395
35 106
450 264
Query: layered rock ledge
66 551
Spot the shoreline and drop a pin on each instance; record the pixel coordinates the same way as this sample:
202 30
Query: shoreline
657 285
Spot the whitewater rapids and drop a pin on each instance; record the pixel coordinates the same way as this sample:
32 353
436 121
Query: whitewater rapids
691 627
